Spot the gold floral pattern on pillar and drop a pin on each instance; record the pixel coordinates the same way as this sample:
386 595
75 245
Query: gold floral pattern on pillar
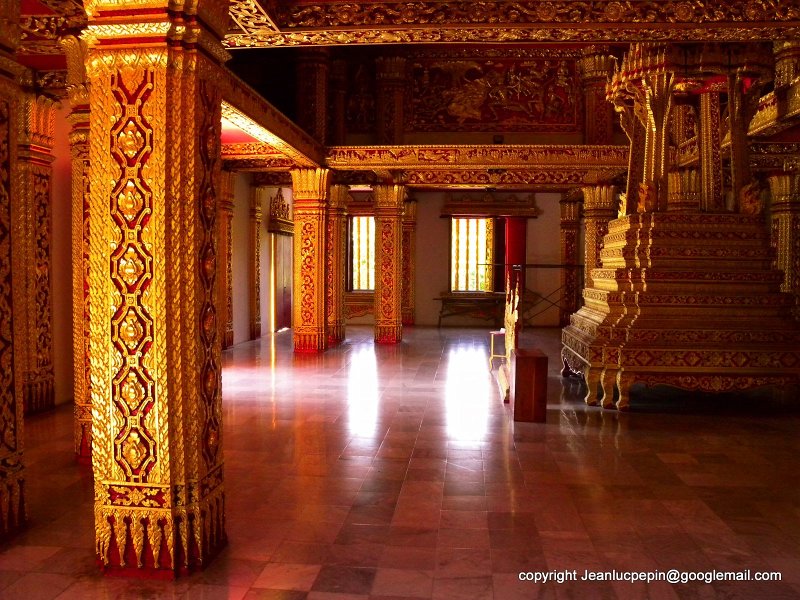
12 500
77 90
224 272
388 268
310 193
155 361
254 268
335 241
570 284
409 261
35 172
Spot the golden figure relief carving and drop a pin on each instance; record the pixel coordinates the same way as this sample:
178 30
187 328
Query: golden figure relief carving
502 94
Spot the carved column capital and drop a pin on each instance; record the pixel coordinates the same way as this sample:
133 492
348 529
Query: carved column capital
310 185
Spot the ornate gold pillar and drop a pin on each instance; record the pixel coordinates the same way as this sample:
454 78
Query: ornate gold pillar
35 174
312 92
254 261
599 208
310 190
570 245
595 67
390 72
155 363
224 273
409 261
336 241
785 211
712 199
388 263
78 93
12 473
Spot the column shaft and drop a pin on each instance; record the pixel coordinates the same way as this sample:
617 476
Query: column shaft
312 92
785 212
710 157
388 263
594 68
78 92
599 208
155 361
224 273
336 240
570 244
35 174
391 84
311 188
254 262
409 262
12 473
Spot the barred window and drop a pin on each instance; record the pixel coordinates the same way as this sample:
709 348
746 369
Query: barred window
362 253
471 255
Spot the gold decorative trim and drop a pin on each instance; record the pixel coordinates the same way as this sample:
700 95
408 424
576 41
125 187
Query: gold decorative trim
491 204
248 110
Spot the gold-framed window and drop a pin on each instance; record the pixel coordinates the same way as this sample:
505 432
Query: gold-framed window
471 242
362 253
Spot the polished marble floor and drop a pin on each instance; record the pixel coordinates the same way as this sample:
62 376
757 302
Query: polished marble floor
396 472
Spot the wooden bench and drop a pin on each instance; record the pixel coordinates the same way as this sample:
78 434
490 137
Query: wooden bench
487 306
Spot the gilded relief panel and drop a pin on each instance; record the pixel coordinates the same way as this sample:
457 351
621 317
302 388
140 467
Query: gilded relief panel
502 93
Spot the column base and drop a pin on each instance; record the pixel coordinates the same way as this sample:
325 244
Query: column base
39 393
83 433
336 334
12 503
309 342
408 317
388 334
150 543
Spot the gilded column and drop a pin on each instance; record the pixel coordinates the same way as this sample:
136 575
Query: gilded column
12 473
155 361
310 188
709 145
78 93
35 173
595 67
336 241
254 261
312 92
391 84
224 274
599 208
388 263
785 212
409 261
570 245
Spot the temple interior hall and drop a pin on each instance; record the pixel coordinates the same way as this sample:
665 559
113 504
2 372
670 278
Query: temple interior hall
334 300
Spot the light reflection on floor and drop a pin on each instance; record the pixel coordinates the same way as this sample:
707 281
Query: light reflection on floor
374 472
